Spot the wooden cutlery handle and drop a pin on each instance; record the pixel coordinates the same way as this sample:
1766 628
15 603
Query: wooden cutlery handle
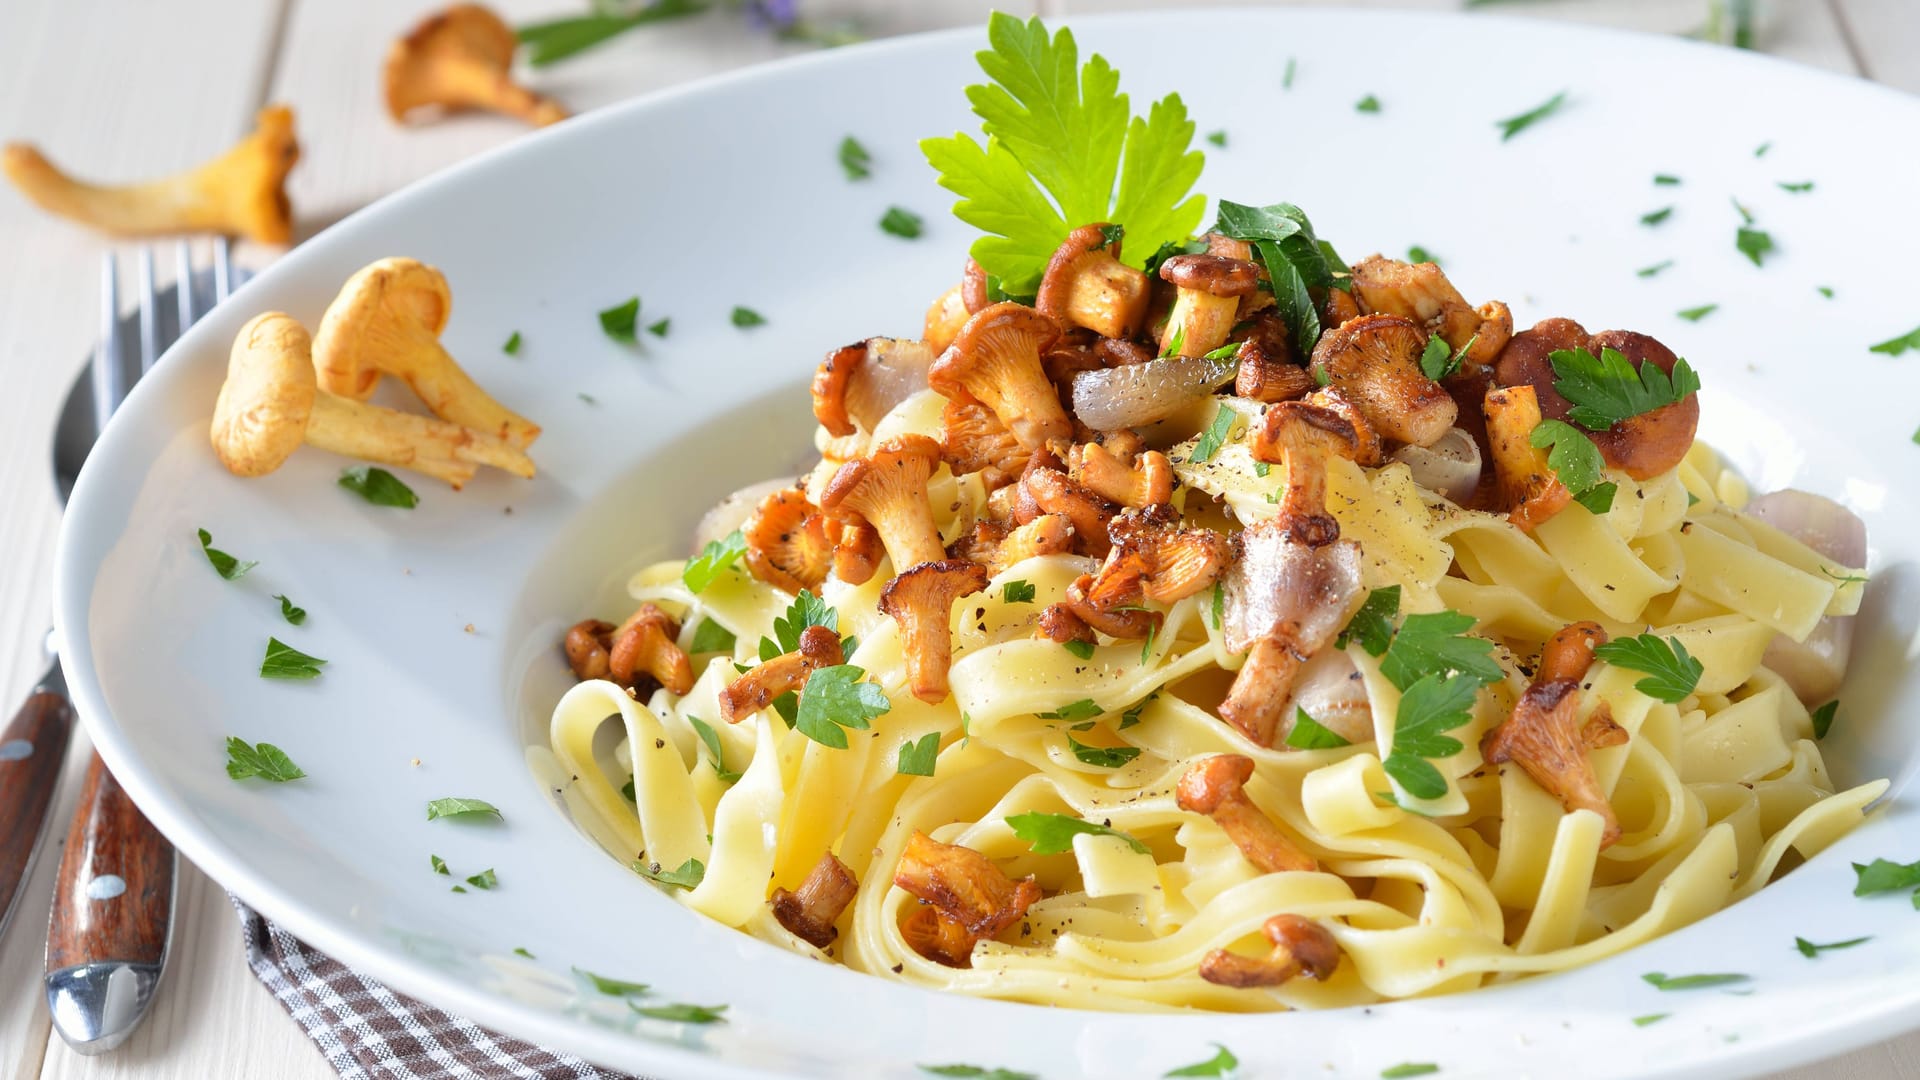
113 900
32 749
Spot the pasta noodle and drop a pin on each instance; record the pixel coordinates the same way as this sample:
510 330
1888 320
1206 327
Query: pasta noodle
1484 873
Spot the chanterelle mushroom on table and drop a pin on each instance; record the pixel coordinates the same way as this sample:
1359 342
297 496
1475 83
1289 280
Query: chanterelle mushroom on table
387 319
270 404
462 58
242 192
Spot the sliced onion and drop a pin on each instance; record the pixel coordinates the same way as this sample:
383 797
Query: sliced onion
895 370
1329 688
733 511
1276 585
1134 395
1814 667
1450 467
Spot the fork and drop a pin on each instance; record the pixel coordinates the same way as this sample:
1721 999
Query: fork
111 925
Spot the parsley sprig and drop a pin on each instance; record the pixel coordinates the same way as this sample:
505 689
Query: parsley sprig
1577 462
1608 389
1051 834
1673 673
1060 152
834 699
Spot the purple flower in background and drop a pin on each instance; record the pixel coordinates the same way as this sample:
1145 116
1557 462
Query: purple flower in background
778 15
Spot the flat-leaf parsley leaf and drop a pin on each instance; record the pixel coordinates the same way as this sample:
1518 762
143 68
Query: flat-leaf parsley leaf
1609 388
1220 1064
1577 462
688 875
1514 125
834 699
1436 643
264 760
703 568
1215 437
917 757
224 564
379 487
283 661
902 223
620 320
294 615
1673 672
1311 734
1105 757
855 159
1051 834
1661 981
464 809
1430 707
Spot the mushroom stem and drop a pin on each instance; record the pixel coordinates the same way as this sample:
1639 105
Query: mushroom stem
1529 487
810 911
440 449
1542 737
241 192
1199 323
1214 786
888 488
644 645
1256 702
920 601
784 674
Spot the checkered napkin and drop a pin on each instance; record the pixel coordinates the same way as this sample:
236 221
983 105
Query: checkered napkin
368 1032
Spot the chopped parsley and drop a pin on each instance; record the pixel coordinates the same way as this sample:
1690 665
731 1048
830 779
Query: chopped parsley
1286 80
1673 673
224 564
1222 1063
710 636
1104 757
902 223
745 317
1577 462
1695 314
1081 649
1437 643
1883 875
1410 1068
512 347
854 159
1372 625
1132 716
1051 834
1823 718
1810 950
1666 179
703 568
1824 290
807 610
1368 104
1660 981
1434 359
1299 266
1609 389
1217 610
263 760
1514 125
1017 592
1761 150
379 487
1310 734
1753 243
917 758
659 329
283 661
834 699
1054 124
462 809
288 611
687 875
619 321
485 879
1418 254
1217 138
1215 437
521 950
976 1072
1798 188
1077 710
1649 271
711 740
1176 341
1894 346
439 865
1430 707
1655 217
684 1014
1649 1018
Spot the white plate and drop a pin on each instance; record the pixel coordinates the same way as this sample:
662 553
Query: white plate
728 193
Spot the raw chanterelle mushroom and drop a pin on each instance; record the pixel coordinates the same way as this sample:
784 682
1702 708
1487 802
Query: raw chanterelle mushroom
462 58
241 193
387 320
270 404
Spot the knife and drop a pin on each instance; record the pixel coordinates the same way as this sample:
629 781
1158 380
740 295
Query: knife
32 749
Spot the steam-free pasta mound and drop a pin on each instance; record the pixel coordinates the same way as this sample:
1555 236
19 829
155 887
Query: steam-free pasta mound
1211 623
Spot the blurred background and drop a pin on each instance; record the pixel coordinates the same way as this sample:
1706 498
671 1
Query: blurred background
116 91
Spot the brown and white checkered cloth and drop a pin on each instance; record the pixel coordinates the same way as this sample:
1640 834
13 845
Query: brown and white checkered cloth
368 1032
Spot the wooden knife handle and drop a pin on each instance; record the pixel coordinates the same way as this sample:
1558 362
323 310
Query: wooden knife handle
32 749
113 899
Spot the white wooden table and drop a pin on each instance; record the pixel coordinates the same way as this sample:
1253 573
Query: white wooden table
126 89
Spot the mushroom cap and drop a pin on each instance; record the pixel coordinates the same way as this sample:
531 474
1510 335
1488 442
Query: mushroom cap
261 416
1643 446
464 34
252 177
384 308
1211 781
1215 275
906 461
929 590
1375 360
996 362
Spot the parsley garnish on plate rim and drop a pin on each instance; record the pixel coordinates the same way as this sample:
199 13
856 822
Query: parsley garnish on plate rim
462 809
1222 1063
225 565
263 760
901 222
283 661
379 487
854 159
618 321
1514 125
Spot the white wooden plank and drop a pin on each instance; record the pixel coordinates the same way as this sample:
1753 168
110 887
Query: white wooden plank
68 74
1886 35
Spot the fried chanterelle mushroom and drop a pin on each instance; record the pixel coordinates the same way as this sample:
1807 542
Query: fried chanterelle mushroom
971 899
920 600
1300 947
387 320
784 674
1215 786
1543 737
270 404
240 193
642 647
459 59
810 911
